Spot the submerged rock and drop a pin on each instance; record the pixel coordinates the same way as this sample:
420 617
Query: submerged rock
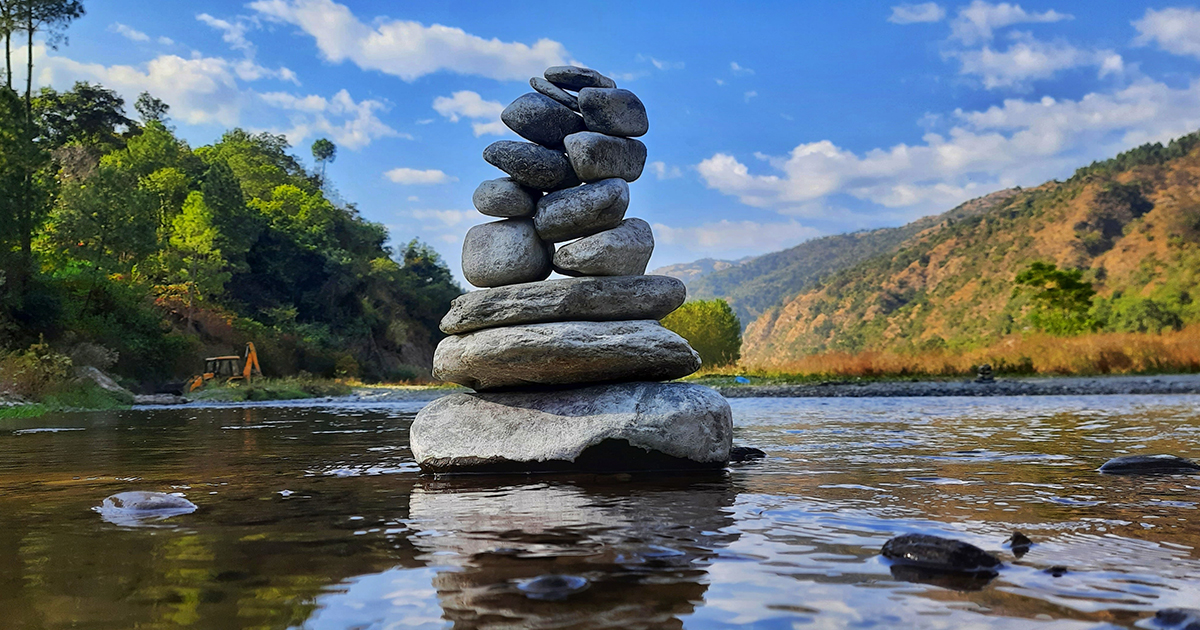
939 554
745 454
138 507
1177 619
1139 464
597 428
1020 544
552 587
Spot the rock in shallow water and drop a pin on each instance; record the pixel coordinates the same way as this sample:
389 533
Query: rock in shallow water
553 91
595 156
1177 619
622 251
582 211
563 353
624 426
569 299
575 78
541 119
1135 464
614 112
137 508
505 198
552 587
505 252
940 554
532 165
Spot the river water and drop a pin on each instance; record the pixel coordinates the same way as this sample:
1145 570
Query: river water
314 516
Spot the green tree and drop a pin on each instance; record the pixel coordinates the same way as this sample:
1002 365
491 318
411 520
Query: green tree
151 109
1061 299
323 152
87 114
195 266
711 327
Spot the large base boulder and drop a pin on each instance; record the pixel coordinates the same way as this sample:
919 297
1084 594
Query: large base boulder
597 428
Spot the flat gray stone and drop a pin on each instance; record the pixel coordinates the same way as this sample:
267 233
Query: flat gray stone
553 91
505 252
622 251
1140 464
505 198
136 508
625 426
582 211
595 156
613 111
575 78
531 164
564 353
568 299
541 119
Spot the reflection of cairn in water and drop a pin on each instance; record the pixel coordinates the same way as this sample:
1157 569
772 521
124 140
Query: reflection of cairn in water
643 550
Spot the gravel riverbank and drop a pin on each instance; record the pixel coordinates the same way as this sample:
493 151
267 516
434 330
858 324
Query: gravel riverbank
1053 386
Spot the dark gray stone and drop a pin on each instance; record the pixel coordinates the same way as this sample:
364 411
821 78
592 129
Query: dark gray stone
575 78
531 164
582 211
941 554
505 252
543 120
622 251
564 353
553 91
596 156
1137 464
610 298
505 198
1177 619
624 426
613 111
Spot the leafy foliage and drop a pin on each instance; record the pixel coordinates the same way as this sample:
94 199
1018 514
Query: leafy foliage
712 329
1061 299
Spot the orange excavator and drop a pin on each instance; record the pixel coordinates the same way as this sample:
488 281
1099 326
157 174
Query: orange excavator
231 368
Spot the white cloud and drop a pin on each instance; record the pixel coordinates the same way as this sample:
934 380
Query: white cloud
720 81
412 176
660 64
978 21
129 33
1018 143
749 95
1175 30
1028 59
166 41
739 69
726 236
408 49
916 13
351 124
662 171
234 33
445 218
485 115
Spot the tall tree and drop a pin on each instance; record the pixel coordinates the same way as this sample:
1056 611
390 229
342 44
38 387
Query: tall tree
324 151
8 25
151 109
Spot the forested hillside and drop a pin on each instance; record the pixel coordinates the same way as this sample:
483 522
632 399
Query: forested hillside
1127 229
121 238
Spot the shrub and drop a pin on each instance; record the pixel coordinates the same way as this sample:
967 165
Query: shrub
34 372
711 327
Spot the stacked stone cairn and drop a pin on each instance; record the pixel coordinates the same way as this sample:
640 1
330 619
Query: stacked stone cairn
567 372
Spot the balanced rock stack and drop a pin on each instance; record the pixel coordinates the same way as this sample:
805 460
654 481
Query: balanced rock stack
567 371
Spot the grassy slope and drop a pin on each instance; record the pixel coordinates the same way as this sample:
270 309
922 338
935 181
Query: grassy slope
950 285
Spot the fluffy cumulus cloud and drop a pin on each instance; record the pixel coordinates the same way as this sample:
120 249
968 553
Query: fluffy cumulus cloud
978 21
662 171
734 236
917 13
484 115
1175 30
407 49
351 124
411 176
1028 59
1021 142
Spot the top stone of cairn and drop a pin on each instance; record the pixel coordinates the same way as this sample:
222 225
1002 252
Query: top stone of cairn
575 78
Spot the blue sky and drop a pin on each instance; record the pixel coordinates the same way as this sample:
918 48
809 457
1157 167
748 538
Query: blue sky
770 122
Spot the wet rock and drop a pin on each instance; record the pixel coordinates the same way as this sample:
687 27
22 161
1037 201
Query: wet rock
622 251
1020 544
582 211
137 507
570 299
614 112
541 119
552 587
745 453
564 353
505 252
1056 571
505 198
553 91
1144 464
940 554
595 156
531 164
598 428
1177 619
105 382
575 78
160 399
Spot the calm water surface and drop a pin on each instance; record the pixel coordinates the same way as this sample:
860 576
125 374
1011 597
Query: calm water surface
315 517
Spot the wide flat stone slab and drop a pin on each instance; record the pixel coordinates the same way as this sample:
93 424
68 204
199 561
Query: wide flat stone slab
531 164
611 298
596 156
564 353
541 119
582 211
622 251
617 427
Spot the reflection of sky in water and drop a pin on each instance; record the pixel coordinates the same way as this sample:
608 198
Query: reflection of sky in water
315 517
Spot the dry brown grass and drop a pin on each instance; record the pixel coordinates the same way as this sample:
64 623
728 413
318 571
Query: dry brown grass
1097 353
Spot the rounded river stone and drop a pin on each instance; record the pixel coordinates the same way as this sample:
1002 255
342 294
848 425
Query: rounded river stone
582 211
575 78
505 252
567 299
660 426
543 120
531 164
563 353
596 156
553 91
1137 464
505 198
622 251
137 507
941 554
613 111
